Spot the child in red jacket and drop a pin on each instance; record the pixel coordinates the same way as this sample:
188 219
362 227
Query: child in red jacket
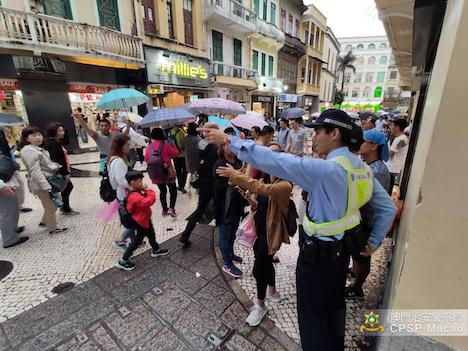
139 201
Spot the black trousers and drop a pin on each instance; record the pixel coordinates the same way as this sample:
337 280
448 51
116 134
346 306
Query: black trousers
141 157
163 195
263 269
206 193
321 306
66 197
141 233
181 171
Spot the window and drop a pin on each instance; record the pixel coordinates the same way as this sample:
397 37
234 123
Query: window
371 46
109 14
328 59
169 19
371 60
283 20
383 60
310 77
257 7
383 46
217 39
380 77
273 13
188 25
306 37
148 16
355 93
360 60
345 92
360 46
255 60
347 77
303 72
390 90
290 25
358 78
263 69
348 48
271 62
296 29
369 77
393 75
366 92
237 52
58 8
311 38
265 10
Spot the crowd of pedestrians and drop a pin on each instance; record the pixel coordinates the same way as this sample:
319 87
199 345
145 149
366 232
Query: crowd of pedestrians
238 181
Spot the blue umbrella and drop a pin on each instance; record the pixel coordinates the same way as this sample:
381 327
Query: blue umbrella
121 98
294 112
9 119
223 123
166 118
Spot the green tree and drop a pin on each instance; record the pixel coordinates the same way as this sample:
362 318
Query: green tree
345 62
339 97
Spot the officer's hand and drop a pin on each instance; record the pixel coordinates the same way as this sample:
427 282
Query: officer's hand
226 171
7 190
213 136
368 250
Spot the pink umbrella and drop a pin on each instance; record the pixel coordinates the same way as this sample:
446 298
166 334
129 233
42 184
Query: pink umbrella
249 120
213 106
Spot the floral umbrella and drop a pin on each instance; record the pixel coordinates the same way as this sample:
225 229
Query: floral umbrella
212 106
166 118
249 120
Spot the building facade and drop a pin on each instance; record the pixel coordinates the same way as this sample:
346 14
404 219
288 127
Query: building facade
329 70
69 52
369 84
313 29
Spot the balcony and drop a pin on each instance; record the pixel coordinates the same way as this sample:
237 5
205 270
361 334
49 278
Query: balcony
231 15
308 89
312 52
271 32
233 75
41 33
294 45
269 84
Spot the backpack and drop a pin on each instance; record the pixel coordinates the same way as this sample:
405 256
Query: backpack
125 217
195 176
291 219
157 168
107 193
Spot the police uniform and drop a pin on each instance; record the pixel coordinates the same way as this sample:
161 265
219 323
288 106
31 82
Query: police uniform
337 188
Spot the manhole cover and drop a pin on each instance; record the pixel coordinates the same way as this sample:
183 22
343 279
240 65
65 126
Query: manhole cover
61 288
5 268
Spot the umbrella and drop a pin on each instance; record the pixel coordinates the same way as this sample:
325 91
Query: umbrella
9 119
133 117
223 123
294 112
166 118
249 120
315 114
210 106
121 98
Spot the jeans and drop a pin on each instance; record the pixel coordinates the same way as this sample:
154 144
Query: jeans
181 171
163 195
204 198
84 136
66 197
9 215
227 236
140 234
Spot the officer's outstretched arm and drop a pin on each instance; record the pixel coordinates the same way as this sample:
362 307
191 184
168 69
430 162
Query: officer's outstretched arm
384 213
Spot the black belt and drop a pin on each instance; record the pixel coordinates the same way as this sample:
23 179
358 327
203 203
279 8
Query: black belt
313 250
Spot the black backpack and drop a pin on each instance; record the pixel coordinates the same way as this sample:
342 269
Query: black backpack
125 217
107 193
291 218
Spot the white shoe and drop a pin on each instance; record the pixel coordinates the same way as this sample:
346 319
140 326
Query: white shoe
276 297
256 315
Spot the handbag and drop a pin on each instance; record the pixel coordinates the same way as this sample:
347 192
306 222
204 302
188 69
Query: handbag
57 182
7 168
246 232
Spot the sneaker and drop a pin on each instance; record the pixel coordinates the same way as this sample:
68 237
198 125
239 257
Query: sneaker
186 242
182 190
256 315
275 259
26 209
232 270
171 212
42 224
20 241
70 213
142 245
20 229
236 258
122 245
276 297
58 230
159 253
352 292
125 265
164 213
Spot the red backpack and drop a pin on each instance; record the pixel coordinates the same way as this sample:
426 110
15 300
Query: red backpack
157 168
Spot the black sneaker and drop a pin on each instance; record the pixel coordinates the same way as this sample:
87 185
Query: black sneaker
42 224
20 241
125 265
182 190
186 242
58 230
26 209
352 292
20 230
159 253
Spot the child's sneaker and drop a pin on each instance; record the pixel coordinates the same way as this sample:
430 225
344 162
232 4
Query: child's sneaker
121 245
232 270
159 253
164 213
125 265
171 212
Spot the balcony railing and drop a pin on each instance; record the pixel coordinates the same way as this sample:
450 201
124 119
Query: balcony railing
271 31
232 12
19 29
222 69
393 96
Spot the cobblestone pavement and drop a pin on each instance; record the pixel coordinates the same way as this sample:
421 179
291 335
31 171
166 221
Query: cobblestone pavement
178 302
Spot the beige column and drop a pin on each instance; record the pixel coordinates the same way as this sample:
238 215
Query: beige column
161 18
178 20
197 23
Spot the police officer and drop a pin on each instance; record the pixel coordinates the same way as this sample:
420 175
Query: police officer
337 186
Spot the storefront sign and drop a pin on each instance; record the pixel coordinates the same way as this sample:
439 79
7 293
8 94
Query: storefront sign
176 69
90 89
260 98
9 84
287 98
155 89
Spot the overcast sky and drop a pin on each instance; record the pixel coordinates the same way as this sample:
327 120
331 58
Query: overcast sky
350 18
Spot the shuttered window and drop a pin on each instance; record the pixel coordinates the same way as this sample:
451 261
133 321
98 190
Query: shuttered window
271 62
170 21
188 22
148 16
255 60
263 64
217 39
109 14
58 8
